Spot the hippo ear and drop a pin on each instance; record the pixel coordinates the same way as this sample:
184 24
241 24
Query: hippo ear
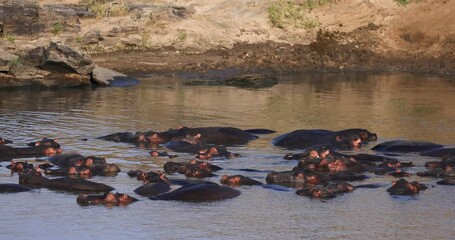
155 135
394 182
197 136
338 138
37 143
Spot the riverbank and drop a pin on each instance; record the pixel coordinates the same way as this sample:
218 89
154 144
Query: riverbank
249 36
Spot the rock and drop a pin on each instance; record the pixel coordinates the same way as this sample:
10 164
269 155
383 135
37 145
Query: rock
25 72
65 80
6 59
252 81
34 57
6 44
59 18
92 37
63 59
20 17
244 81
132 40
107 77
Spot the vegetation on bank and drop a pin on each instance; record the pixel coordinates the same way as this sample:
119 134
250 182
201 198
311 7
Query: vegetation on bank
403 2
107 8
294 13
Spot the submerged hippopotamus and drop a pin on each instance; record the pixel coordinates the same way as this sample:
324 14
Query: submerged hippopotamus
220 135
404 146
403 187
19 166
34 178
48 147
5 141
440 152
13 188
192 169
345 139
199 192
140 138
447 181
152 189
76 164
237 180
329 190
109 199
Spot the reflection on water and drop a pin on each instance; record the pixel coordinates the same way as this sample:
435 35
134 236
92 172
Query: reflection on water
393 106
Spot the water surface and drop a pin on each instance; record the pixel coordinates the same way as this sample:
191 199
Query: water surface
395 106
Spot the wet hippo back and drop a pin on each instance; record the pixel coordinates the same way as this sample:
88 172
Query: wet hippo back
200 192
440 152
220 135
301 139
406 146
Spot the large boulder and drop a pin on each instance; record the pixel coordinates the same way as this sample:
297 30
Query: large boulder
63 59
107 77
20 17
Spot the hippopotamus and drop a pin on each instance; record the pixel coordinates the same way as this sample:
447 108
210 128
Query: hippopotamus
344 164
345 139
155 153
173 167
75 160
329 190
447 181
109 199
447 171
398 173
19 166
149 177
237 180
314 152
50 148
440 152
441 164
345 176
148 137
199 192
49 142
404 146
35 179
296 175
227 136
152 189
5 141
81 171
203 151
13 188
76 164
403 187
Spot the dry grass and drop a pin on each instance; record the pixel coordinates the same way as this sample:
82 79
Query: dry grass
294 14
107 8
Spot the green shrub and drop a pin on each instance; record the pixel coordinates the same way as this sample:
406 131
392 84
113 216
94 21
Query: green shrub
287 13
57 28
107 8
15 62
10 38
403 2
181 36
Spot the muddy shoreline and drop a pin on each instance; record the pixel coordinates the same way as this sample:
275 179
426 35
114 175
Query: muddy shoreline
271 57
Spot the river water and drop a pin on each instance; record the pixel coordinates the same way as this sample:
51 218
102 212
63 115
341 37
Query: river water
395 106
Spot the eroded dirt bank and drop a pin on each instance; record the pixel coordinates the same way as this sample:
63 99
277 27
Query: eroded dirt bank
197 36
